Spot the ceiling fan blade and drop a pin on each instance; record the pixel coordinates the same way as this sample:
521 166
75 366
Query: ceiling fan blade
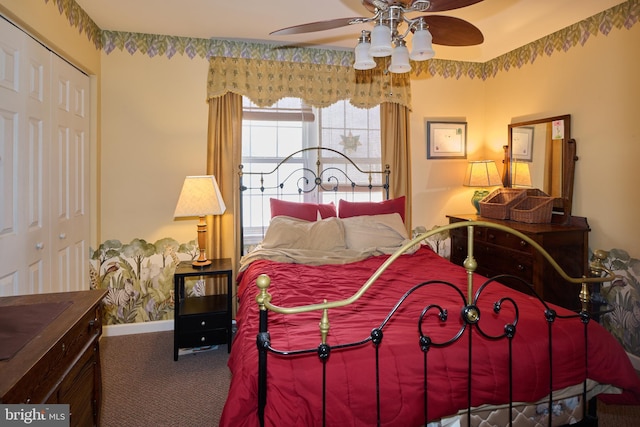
450 31
319 26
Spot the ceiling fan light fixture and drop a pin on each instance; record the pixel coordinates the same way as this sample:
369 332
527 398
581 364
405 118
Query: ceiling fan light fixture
422 49
380 41
364 60
400 58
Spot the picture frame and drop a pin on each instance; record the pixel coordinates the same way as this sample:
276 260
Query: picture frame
522 143
446 140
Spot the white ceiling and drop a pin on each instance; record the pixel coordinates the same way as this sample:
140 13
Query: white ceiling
506 24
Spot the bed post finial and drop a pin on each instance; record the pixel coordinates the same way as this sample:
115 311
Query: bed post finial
324 324
262 282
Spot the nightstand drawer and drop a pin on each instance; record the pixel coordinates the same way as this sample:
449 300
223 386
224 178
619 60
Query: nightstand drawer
202 339
203 322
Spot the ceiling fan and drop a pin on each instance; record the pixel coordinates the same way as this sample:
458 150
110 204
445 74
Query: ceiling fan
389 16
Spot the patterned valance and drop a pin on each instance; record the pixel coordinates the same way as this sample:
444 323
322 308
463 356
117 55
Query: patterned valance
320 85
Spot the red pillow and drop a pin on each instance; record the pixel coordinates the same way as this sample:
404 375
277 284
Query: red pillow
300 210
327 210
348 209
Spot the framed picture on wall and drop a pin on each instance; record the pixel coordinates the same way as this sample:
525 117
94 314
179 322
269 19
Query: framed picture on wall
446 140
522 143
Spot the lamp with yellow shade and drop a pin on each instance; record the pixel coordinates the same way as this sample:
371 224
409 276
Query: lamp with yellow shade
521 175
200 196
481 173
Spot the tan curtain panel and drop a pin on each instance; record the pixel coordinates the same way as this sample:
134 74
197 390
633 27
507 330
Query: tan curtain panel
320 85
224 154
396 152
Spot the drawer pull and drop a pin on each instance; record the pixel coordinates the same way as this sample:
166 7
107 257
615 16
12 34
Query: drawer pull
492 236
39 245
521 267
203 323
203 339
523 243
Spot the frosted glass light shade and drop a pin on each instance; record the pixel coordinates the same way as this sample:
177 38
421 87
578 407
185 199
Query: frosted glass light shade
400 60
422 46
380 41
364 60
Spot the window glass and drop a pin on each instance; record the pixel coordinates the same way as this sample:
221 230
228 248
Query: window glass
272 133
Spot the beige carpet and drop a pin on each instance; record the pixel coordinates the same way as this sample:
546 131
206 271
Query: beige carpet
143 386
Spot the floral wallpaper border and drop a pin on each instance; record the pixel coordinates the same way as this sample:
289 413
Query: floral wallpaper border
624 15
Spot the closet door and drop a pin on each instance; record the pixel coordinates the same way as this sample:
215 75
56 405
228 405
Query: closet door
24 163
69 155
44 169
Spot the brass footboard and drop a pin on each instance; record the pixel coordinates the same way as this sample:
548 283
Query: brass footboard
469 312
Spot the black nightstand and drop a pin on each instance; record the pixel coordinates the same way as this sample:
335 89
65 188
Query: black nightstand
202 321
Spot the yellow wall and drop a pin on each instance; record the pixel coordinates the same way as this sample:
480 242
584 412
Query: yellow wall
154 112
596 83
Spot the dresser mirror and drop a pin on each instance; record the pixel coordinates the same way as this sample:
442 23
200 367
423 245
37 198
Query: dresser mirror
542 155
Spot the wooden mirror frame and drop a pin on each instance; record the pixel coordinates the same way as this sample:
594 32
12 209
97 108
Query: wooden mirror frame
562 205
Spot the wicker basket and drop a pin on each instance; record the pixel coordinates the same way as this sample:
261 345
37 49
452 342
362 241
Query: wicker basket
533 209
498 203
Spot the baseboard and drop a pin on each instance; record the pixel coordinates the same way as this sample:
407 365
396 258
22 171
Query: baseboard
137 328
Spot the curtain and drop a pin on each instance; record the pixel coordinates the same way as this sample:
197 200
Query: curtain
396 152
224 155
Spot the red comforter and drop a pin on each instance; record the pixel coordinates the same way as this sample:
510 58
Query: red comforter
294 384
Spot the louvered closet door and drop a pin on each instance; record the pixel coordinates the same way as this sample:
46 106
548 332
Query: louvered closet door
24 138
69 154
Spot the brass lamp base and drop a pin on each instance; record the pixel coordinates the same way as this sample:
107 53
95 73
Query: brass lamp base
200 264
202 260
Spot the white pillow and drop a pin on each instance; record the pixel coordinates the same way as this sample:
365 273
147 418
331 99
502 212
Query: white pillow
292 233
375 231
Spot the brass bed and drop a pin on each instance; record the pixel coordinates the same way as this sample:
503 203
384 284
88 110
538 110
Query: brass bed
403 337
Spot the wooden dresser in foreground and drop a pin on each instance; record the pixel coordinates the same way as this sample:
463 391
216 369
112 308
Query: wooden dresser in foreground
498 252
61 362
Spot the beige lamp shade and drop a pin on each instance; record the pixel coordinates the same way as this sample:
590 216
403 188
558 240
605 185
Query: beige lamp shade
482 173
200 196
521 175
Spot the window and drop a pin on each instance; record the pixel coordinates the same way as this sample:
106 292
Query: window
272 133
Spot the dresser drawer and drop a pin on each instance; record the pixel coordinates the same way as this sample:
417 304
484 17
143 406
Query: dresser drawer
202 339
507 240
520 263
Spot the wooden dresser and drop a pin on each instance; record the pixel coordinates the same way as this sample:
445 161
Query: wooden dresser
498 252
61 363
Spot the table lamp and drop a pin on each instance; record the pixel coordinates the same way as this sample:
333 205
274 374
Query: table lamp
200 196
521 175
481 173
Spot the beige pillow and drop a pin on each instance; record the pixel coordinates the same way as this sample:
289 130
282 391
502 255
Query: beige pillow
375 231
291 233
